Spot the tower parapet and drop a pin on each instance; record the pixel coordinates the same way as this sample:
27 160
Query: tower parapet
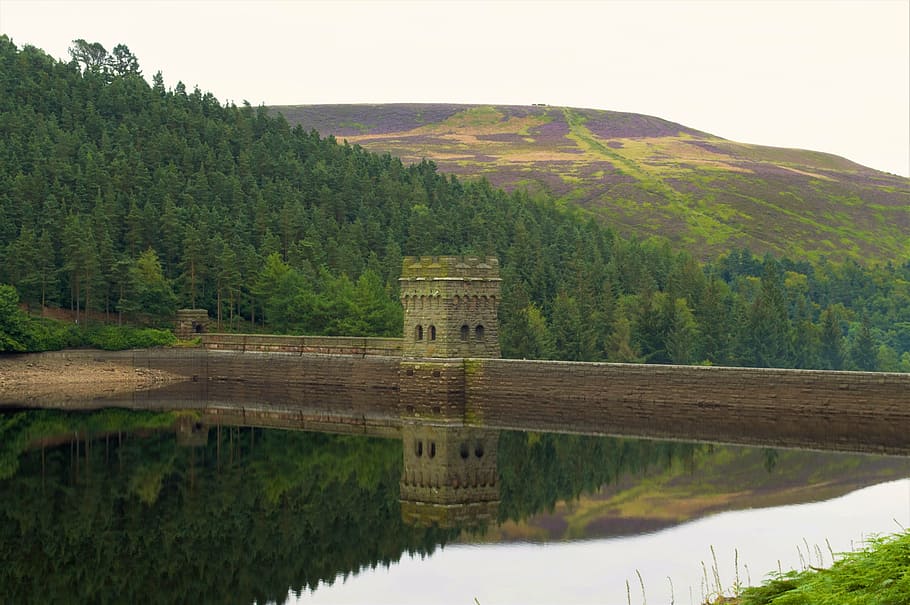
450 306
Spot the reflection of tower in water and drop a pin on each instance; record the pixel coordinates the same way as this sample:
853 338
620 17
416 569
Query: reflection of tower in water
450 477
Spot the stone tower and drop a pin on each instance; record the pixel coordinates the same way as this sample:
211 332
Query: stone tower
450 476
450 306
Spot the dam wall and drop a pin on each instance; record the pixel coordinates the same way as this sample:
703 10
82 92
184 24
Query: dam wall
856 411
851 411
311 387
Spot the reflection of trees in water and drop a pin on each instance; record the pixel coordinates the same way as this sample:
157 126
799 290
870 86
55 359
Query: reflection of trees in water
540 469
246 517
194 513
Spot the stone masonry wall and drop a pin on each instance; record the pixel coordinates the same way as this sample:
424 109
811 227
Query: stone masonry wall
326 345
326 388
450 306
857 411
431 390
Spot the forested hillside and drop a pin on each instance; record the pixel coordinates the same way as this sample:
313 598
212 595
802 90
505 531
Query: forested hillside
122 197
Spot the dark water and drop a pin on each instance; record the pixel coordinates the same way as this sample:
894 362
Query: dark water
120 506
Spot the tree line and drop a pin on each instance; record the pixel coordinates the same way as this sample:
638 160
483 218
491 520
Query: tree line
130 199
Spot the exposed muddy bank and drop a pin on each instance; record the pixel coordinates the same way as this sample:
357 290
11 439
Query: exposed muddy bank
60 377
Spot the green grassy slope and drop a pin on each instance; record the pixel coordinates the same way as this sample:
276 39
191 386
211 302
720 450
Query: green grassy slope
646 176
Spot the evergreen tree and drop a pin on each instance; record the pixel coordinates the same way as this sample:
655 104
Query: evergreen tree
863 350
681 340
13 331
47 269
769 328
82 262
620 348
573 334
832 340
22 266
149 293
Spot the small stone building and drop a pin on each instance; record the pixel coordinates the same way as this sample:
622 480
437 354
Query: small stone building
450 306
191 322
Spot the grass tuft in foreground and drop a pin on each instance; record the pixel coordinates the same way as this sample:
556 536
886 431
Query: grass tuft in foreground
877 575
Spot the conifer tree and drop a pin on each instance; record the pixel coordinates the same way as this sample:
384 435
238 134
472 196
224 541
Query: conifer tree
832 340
863 350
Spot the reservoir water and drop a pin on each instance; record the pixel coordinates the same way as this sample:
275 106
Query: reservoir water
158 506
596 570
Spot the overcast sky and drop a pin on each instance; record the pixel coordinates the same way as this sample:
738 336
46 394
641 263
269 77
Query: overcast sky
824 75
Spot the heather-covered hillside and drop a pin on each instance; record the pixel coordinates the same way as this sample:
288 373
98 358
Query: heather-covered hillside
645 175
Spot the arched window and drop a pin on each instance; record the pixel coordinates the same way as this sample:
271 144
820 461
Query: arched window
478 450
419 334
419 448
478 332
463 450
432 332
464 332
432 449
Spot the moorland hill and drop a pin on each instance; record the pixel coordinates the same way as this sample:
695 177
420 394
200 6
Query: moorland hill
646 176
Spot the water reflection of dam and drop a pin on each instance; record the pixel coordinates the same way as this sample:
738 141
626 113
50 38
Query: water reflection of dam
846 411
449 474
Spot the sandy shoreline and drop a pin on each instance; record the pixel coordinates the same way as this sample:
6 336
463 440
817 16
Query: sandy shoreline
29 377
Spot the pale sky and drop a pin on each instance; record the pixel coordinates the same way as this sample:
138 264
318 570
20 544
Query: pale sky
825 75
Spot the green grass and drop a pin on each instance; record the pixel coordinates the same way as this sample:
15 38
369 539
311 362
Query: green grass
876 575
362 128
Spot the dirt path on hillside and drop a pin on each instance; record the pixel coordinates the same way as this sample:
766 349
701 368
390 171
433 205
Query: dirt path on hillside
27 378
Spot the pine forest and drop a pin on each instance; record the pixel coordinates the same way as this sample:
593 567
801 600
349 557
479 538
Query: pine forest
122 201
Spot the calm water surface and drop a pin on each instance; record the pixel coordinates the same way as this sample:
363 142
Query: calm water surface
596 570
125 506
